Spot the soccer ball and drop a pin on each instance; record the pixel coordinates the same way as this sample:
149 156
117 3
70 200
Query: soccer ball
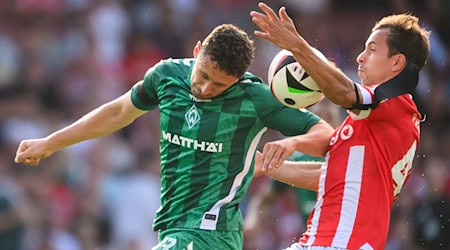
289 82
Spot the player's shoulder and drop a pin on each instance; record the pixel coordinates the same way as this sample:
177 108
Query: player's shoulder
172 67
252 83
257 90
250 78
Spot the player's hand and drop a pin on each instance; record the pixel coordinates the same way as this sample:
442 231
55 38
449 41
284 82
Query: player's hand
280 29
32 151
276 152
258 165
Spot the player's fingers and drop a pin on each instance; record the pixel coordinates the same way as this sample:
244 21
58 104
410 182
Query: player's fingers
258 15
35 162
32 162
267 156
259 19
276 161
258 22
269 11
282 158
262 24
18 159
20 156
283 14
21 147
260 34
273 156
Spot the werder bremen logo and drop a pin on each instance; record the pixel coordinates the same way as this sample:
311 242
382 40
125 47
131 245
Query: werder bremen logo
192 116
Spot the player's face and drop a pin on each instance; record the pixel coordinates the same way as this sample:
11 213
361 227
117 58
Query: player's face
375 65
208 80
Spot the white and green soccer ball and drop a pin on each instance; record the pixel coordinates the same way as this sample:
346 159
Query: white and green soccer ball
290 83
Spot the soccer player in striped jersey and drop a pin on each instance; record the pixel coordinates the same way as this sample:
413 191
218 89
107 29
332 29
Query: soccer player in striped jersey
213 114
371 153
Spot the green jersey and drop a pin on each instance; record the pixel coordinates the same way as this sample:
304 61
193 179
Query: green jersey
208 146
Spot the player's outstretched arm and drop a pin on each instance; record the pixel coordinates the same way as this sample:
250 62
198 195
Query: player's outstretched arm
300 174
281 31
104 120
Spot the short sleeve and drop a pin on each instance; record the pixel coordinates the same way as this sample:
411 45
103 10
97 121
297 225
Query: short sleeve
144 93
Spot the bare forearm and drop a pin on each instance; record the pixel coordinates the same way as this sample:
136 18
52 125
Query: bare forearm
335 85
101 121
316 141
281 31
97 123
300 174
104 120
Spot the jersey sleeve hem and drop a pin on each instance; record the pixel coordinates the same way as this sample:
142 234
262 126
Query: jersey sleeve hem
137 102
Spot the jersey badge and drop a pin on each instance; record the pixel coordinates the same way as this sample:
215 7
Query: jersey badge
192 116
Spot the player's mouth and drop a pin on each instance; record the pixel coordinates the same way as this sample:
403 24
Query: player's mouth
198 95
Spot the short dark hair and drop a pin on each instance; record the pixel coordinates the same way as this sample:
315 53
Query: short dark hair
231 48
406 36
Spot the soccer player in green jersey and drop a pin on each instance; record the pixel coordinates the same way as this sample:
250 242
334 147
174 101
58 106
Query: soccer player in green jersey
213 114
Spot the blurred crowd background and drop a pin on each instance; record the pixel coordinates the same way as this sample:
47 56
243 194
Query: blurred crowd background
60 59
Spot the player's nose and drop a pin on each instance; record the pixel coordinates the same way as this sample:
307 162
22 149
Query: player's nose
360 58
207 88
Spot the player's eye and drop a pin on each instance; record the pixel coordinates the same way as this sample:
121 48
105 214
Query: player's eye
220 85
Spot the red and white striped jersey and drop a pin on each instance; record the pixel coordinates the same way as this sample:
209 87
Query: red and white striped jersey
369 160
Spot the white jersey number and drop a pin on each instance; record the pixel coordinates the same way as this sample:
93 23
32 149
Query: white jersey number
401 170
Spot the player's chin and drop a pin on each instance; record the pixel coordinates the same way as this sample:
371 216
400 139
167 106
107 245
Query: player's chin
202 97
197 94
362 75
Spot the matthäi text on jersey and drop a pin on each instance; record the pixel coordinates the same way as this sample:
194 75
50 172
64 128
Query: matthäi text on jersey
206 146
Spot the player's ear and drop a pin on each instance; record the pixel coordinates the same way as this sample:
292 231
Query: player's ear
197 48
399 62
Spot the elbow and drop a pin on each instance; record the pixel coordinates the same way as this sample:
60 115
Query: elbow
122 120
118 117
324 135
348 99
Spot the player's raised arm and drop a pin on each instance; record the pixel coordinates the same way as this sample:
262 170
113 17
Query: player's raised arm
281 31
104 120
